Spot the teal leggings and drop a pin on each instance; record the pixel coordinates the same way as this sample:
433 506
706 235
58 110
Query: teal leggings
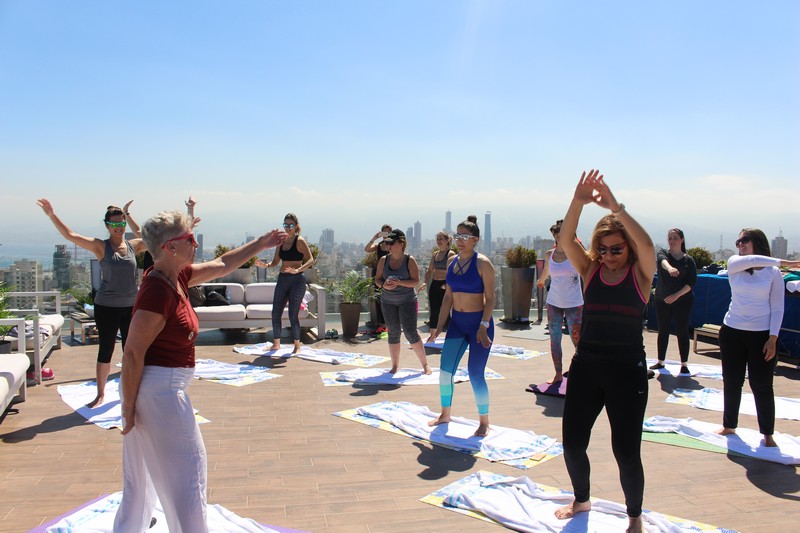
462 334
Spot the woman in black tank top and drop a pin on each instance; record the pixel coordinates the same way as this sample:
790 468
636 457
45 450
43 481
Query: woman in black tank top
609 367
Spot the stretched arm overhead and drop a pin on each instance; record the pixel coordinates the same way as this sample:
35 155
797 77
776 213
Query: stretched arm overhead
96 246
583 195
230 261
136 242
372 245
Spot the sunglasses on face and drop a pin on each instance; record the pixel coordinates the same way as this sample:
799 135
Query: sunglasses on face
288 226
743 240
188 237
121 224
617 249
462 236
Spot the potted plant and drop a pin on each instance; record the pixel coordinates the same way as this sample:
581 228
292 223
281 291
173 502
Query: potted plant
312 274
517 278
242 274
352 289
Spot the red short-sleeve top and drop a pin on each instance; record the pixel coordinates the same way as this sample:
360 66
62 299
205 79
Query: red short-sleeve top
174 345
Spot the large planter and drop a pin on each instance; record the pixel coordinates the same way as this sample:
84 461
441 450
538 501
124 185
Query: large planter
517 291
5 347
351 316
311 275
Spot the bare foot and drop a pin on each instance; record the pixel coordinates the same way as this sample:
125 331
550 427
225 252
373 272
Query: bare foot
568 511
557 379
296 349
440 420
427 370
769 442
96 402
635 525
726 431
394 370
275 346
482 431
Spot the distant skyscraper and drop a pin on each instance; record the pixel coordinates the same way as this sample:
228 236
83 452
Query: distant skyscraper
61 267
327 241
448 221
24 276
417 235
410 235
780 246
487 233
199 255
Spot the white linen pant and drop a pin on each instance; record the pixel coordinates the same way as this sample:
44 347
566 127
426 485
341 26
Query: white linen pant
163 457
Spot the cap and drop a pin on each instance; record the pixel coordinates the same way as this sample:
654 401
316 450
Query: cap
395 235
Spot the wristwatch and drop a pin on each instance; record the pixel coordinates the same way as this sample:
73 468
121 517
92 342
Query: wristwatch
485 323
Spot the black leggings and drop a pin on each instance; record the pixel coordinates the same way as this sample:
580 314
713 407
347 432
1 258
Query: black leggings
622 389
109 320
435 299
680 311
290 289
744 350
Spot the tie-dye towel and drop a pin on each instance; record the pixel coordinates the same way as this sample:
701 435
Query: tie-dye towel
745 441
109 414
499 350
404 376
231 374
514 447
522 505
673 368
712 400
321 355
98 517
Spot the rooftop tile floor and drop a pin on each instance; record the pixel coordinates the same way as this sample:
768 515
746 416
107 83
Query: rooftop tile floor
277 455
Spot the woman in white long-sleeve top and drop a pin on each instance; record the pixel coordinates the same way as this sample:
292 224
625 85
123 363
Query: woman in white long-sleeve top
749 334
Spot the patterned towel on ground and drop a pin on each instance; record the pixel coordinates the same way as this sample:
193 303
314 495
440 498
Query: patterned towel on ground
98 517
549 389
712 400
673 368
499 350
322 355
514 447
745 441
231 374
522 505
109 414
404 376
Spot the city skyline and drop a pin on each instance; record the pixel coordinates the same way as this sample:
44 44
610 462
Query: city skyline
691 110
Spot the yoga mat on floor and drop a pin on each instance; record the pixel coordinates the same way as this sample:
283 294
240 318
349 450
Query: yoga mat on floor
231 374
513 447
523 505
673 368
321 355
549 389
497 350
98 515
745 442
404 376
712 400
109 414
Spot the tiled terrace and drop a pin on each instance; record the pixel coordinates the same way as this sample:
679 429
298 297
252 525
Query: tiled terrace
277 455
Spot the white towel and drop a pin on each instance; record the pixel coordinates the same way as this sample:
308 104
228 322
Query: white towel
713 400
404 376
745 441
673 368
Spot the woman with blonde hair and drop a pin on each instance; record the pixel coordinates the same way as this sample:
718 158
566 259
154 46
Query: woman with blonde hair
609 368
435 277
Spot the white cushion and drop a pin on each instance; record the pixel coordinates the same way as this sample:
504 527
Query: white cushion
50 323
260 293
220 312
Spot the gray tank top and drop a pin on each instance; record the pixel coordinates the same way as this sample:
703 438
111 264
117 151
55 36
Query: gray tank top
118 285
399 295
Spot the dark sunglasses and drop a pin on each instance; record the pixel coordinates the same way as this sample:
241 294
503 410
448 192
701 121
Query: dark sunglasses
617 249
287 226
743 240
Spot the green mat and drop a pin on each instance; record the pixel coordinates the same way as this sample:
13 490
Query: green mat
674 439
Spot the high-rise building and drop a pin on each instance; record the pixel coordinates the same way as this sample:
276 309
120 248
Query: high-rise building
327 241
24 276
487 233
417 235
448 221
199 255
780 246
61 267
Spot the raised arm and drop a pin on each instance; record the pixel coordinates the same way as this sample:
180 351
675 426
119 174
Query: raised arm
583 195
230 261
190 203
645 251
372 245
136 242
96 246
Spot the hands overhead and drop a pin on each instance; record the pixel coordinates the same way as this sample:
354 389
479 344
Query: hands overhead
593 189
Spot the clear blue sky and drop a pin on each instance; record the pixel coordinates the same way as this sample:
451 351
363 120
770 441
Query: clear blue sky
353 113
